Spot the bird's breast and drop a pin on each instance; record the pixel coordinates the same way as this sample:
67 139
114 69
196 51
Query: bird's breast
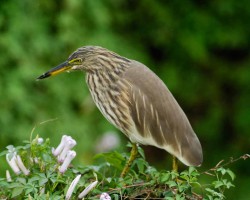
112 100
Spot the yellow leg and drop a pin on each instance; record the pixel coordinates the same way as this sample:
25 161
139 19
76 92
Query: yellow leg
175 164
132 157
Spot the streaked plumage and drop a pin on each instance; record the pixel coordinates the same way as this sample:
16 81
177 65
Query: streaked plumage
136 101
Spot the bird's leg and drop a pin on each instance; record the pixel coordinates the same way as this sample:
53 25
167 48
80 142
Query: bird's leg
132 157
175 169
175 164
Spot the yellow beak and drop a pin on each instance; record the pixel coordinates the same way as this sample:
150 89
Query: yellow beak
56 70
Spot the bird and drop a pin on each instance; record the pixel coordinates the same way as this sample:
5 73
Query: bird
136 101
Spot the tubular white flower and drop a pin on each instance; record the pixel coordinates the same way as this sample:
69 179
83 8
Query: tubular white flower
105 196
60 147
11 159
69 144
70 156
8 177
21 165
72 187
87 190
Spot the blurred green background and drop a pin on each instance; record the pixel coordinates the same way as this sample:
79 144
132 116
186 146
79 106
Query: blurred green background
201 49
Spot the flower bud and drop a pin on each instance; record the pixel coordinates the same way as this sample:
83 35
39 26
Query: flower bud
11 159
87 190
72 187
8 177
21 165
39 140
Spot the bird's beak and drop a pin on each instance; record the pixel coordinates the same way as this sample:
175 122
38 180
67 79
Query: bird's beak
56 70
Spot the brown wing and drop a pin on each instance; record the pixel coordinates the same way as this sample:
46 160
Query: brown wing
158 118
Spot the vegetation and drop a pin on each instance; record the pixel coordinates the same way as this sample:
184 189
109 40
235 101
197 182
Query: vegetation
45 179
200 49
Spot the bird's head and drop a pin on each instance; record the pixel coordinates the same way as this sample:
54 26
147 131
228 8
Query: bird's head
87 58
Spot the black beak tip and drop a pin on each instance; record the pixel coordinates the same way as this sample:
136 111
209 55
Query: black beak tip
43 76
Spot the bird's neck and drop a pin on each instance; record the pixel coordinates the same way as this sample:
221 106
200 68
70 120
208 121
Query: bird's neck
106 72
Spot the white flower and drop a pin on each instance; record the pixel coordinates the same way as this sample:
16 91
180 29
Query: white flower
60 147
105 196
15 161
69 144
70 156
11 159
8 177
87 190
72 187
66 144
21 165
39 140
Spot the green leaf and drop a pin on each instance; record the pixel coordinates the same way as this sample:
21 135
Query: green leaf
168 194
214 193
171 183
16 191
192 171
30 190
231 174
140 164
33 179
169 198
114 158
222 170
218 184
43 181
164 177
179 197
3 153
14 185
22 180
210 197
141 152
229 185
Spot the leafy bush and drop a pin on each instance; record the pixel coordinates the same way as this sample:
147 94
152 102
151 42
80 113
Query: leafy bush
45 180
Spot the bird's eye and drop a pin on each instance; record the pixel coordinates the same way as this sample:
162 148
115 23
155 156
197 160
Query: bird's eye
76 61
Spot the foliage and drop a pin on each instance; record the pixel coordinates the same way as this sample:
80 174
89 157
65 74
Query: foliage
142 182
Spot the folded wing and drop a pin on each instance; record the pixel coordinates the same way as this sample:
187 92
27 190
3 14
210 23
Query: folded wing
158 118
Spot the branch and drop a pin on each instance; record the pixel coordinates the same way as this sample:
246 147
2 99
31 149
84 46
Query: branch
219 164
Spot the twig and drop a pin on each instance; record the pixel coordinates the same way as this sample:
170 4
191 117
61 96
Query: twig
219 164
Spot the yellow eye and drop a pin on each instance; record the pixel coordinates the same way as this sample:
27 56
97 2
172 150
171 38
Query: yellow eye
76 61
